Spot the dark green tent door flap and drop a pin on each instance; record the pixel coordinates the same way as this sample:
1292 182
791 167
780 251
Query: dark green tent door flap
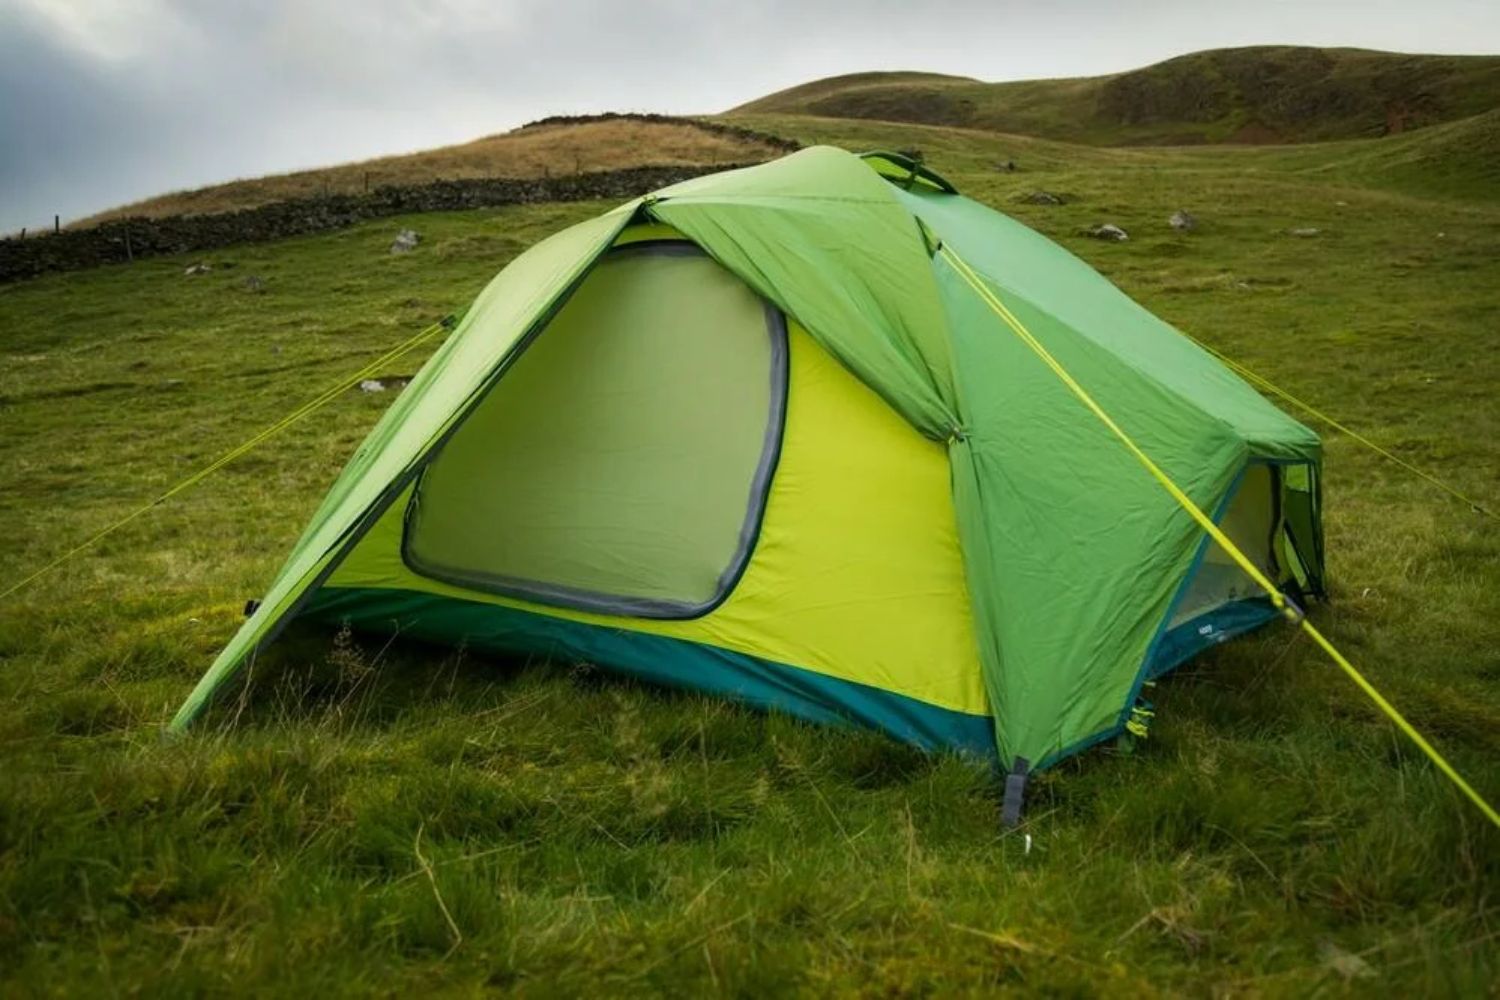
622 464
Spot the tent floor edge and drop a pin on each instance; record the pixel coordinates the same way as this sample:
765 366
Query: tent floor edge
670 662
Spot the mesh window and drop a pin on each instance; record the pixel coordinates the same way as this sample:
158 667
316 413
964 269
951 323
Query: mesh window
622 462
1302 541
1250 523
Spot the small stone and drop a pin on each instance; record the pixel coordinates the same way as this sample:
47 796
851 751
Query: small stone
372 385
1347 965
253 284
406 241
1304 231
1108 231
1182 221
199 268
1043 198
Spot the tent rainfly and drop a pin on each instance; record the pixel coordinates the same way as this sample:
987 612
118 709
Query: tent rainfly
754 434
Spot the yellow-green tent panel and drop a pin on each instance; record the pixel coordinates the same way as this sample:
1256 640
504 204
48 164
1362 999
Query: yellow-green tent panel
856 575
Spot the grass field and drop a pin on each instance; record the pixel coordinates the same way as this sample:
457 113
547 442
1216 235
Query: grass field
391 818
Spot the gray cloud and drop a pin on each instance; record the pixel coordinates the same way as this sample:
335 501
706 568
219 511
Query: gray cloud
105 101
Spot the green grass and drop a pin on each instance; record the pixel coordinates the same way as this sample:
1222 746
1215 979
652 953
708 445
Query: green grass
382 817
1256 94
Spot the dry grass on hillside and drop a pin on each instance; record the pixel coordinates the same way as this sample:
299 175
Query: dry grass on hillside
538 151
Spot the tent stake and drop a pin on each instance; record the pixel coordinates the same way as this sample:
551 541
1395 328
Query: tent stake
1015 793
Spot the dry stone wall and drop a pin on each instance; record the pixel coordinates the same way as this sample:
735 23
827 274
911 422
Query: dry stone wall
121 240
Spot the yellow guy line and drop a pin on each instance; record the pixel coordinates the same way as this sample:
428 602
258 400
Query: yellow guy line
1287 608
1266 384
229 456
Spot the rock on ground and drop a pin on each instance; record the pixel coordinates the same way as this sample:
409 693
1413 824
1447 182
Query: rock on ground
1108 231
396 382
406 241
1183 221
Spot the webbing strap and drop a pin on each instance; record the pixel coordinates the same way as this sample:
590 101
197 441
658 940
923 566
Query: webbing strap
1014 798
1288 609
229 456
1262 382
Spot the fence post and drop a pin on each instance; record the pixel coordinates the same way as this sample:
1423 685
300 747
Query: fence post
56 224
129 257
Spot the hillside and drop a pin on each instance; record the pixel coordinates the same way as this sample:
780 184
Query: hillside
373 817
1258 95
549 148
1263 94
1458 159
1453 162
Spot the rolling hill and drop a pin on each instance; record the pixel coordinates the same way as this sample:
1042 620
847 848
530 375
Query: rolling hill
1255 96
1458 159
547 148
1264 94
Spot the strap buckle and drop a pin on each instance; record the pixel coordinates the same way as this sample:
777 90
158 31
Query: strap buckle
1139 723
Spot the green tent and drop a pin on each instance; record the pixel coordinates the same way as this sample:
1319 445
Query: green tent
755 435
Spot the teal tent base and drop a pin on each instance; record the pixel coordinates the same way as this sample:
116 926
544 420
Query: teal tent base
659 660
1176 647
1220 625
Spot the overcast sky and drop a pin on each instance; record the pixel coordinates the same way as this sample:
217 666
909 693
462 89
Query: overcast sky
107 101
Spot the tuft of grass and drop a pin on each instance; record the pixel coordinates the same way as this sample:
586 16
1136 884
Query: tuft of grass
378 816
